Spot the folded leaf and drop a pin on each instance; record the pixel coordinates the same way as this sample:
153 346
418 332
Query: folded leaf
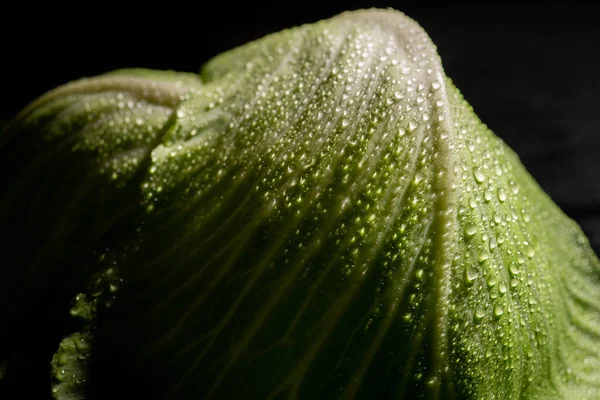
323 217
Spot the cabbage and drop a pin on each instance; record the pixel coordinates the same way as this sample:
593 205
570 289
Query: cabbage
318 214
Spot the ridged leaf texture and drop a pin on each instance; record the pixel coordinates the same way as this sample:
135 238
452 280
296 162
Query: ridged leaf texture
318 214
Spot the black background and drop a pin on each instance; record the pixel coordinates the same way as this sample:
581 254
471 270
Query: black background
531 72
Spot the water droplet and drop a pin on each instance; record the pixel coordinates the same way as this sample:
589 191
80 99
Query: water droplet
470 145
412 126
502 288
472 273
478 175
520 258
472 202
529 280
487 196
498 310
405 70
530 251
402 132
483 256
479 313
501 195
345 122
436 85
470 229
492 280
513 268
497 217
398 95
433 381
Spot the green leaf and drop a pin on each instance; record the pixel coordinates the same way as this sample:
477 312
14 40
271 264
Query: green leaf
71 164
323 217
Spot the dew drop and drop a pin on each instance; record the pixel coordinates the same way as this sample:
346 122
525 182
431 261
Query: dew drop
470 229
501 195
478 175
472 273
530 251
498 310
502 288
479 313
513 268
497 217
520 258
472 203
487 196
483 256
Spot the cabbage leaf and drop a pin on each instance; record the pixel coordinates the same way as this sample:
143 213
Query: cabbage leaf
318 214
